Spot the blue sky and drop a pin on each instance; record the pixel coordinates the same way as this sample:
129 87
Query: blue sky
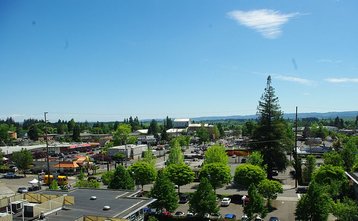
107 60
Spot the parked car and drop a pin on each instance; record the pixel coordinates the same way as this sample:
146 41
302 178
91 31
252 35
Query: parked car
183 198
225 201
230 216
215 216
274 172
22 190
243 160
244 218
9 175
302 189
34 188
179 214
190 214
258 218
274 218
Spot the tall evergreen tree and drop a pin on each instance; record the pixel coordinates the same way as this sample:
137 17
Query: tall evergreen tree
315 205
33 132
256 203
76 133
271 134
153 128
204 199
168 123
164 136
121 179
164 191
71 125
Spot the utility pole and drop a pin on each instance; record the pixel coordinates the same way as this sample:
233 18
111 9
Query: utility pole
295 154
47 151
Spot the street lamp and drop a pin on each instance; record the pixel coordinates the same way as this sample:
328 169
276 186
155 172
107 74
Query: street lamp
47 151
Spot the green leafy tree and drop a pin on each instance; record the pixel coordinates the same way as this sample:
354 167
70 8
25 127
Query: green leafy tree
149 157
349 155
53 185
271 134
204 199
176 155
180 174
81 176
22 159
33 132
132 140
107 177
4 135
346 209
119 157
256 158
310 167
221 130
71 125
120 136
332 178
143 173
152 218
217 174
256 205
203 134
184 141
92 184
153 128
164 191
248 128
247 174
315 205
333 158
121 179
215 133
216 154
164 135
269 189
168 123
76 133
1 158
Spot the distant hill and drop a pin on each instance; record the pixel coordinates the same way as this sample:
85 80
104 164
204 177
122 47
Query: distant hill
328 115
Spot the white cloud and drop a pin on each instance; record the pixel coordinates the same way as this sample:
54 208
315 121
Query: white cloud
341 80
293 79
265 21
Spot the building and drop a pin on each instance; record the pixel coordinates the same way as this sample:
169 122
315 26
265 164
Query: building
12 134
176 132
76 205
181 123
131 151
143 136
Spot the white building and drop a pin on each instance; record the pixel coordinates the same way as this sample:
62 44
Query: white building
181 123
131 151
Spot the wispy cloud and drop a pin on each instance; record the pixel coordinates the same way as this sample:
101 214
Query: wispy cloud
267 22
324 60
341 80
293 79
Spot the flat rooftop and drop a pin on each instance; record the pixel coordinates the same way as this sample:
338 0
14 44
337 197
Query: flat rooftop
122 205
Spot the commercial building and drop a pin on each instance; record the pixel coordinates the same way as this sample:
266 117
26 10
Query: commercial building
131 151
75 205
